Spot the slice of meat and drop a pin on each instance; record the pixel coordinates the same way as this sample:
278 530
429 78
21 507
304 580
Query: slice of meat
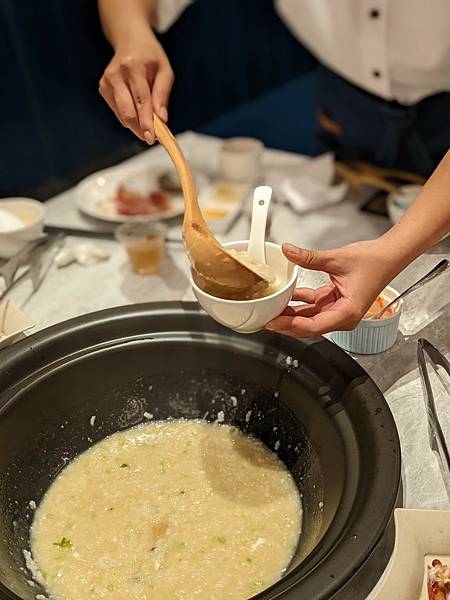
131 203
160 200
438 581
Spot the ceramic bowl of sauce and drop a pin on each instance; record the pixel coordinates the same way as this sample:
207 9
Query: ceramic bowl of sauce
251 315
371 335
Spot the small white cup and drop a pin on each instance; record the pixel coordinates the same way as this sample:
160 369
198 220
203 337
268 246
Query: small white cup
240 159
398 204
31 213
249 316
371 336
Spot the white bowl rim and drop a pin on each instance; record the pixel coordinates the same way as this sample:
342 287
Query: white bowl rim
288 284
397 312
19 200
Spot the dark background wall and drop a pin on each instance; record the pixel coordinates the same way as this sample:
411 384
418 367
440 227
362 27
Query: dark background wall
232 60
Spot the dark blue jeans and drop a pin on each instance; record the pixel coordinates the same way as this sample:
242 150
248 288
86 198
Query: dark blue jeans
355 124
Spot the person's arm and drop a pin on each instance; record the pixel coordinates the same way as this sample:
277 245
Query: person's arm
360 271
139 77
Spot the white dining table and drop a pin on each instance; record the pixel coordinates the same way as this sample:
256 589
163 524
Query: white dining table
77 290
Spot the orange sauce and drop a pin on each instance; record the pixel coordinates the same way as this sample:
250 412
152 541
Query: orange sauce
378 305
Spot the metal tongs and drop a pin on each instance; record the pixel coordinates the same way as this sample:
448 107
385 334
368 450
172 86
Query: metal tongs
32 259
438 443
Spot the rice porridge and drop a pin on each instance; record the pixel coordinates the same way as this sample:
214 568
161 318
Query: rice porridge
168 510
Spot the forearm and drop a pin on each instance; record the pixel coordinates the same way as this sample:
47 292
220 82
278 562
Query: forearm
123 18
424 223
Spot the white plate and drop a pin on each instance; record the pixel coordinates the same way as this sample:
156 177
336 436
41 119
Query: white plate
94 196
420 537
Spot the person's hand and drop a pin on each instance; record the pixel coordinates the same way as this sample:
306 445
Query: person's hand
358 273
137 82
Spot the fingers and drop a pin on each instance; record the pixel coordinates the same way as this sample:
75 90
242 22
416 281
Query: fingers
162 87
127 90
142 98
118 97
126 109
304 326
307 295
316 260
328 313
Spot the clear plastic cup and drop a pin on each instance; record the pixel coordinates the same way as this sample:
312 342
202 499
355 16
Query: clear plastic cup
145 245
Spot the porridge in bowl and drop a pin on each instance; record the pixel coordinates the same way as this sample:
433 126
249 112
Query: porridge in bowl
167 510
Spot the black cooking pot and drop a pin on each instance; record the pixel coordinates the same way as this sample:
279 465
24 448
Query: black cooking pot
335 431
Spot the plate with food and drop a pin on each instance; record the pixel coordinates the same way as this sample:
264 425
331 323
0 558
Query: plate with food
119 195
419 568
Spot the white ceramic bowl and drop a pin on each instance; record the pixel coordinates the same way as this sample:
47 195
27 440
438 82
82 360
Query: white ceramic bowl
31 213
371 336
249 316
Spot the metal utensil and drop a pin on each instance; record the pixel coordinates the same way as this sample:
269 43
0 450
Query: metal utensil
435 272
436 436
9 269
30 258
92 233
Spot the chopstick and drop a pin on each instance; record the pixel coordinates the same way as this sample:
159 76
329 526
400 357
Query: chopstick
92 233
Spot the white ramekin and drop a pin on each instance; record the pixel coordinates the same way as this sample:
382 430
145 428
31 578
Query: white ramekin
371 336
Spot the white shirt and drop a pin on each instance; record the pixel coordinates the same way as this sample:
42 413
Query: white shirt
396 49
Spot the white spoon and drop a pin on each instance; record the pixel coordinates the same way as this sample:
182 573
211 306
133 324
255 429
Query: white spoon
256 249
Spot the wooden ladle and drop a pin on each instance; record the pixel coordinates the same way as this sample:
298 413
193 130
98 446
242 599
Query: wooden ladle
214 269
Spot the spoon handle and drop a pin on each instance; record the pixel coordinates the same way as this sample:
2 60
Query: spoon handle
435 272
261 201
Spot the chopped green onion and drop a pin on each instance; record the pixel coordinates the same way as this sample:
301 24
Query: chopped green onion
124 466
64 543
257 585
221 540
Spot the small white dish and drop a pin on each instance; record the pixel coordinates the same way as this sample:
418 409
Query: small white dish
240 159
398 204
222 202
250 316
94 195
420 537
372 336
30 213
13 323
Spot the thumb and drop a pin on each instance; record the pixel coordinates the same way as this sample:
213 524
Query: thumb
315 260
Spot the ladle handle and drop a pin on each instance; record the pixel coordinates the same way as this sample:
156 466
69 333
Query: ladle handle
261 202
167 139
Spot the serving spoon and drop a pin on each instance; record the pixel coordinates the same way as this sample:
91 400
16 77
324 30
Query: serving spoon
435 272
214 268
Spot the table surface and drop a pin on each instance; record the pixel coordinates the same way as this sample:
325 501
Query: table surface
77 290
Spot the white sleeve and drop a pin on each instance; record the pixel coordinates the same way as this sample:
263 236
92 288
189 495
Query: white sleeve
167 12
